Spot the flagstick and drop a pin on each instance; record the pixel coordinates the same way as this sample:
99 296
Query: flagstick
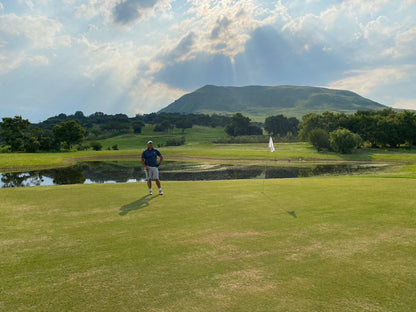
272 149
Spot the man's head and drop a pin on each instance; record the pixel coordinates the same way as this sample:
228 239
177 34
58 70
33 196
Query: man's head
150 145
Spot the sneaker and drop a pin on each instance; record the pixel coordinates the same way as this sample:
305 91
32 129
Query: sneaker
160 193
150 193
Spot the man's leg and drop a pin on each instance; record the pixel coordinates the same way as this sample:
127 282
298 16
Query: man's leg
158 185
149 185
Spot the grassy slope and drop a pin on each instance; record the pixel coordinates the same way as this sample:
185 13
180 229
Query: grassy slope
196 134
211 246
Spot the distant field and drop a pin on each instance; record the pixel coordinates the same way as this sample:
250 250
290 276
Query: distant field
314 244
196 134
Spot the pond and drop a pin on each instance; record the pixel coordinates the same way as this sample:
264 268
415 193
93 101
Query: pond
132 171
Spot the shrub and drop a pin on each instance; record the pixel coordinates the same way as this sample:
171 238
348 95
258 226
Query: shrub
319 138
96 146
175 142
5 149
344 141
82 147
115 147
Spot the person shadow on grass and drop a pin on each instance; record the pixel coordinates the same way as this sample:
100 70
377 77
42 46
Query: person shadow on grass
136 205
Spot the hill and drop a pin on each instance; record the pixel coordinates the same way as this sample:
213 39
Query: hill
266 101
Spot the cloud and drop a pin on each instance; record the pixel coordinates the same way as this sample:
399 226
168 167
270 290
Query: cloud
384 84
405 104
42 32
9 62
131 10
117 61
182 51
364 81
29 3
149 95
140 55
124 12
26 38
222 27
268 58
404 46
359 31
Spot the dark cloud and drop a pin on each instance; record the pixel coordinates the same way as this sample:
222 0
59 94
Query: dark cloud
269 59
131 10
201 70
221 26
183 47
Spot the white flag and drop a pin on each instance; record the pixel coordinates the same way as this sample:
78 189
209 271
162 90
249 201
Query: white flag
271 146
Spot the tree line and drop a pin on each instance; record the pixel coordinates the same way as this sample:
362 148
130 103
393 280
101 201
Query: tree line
64 131
335 131
384 128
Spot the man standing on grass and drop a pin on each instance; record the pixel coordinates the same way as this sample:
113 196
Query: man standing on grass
149 161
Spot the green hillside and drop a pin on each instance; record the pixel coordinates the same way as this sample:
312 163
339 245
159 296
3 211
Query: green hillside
266 101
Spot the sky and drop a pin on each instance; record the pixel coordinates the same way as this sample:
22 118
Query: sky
138 56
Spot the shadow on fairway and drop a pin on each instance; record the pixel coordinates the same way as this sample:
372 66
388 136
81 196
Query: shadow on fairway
136 205
292 213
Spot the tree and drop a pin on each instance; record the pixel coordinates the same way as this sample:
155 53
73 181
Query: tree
137 126
183 124
319 138
164 126
12 132
281 125
241 125
344 141
407 127
69 133
387 132
328 121
96 146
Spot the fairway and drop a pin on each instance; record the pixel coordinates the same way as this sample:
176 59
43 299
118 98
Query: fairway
313 244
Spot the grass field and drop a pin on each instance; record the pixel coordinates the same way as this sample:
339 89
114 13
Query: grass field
309 244
296 153
313 244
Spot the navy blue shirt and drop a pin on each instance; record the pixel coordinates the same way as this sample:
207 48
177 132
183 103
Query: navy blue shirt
150 157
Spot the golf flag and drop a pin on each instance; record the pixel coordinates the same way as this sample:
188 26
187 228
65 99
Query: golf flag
271 146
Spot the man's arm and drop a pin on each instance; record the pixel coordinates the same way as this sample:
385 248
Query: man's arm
144 164
160 158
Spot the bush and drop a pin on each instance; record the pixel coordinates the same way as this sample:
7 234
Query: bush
175 142
5 149
344 141
115 147
319 138
96 146
82 147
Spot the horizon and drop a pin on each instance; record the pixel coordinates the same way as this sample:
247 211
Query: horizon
135 57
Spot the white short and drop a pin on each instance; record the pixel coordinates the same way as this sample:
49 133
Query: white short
152 173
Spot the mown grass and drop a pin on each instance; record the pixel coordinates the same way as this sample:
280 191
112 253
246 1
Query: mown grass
314 244
288 153
10 162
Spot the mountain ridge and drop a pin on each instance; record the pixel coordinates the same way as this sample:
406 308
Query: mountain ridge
292 101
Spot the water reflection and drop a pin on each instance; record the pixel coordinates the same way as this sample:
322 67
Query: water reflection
126 171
